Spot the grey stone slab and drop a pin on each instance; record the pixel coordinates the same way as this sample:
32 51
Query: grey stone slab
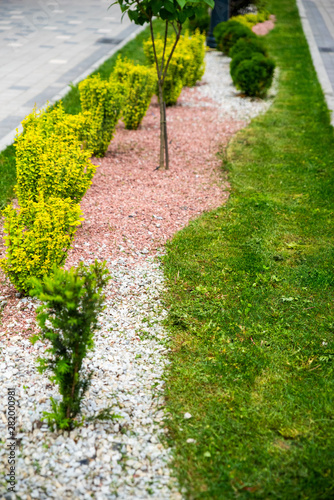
10 122
40 99
82 66
19 87
36 25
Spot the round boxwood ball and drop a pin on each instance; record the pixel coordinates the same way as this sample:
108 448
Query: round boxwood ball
254 76
245 49
248 44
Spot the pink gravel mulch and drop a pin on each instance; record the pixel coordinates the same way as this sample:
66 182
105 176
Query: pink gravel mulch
132 209
264 28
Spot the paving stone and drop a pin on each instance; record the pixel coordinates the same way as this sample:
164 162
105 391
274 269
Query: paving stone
32 36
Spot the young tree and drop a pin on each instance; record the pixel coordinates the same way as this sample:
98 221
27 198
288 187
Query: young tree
174 13
68 318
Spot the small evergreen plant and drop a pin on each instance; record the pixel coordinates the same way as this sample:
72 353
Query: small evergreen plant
72 301
250 45
195 45
242 50
254 76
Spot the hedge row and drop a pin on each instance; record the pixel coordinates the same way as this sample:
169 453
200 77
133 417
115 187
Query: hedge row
53 154
251 69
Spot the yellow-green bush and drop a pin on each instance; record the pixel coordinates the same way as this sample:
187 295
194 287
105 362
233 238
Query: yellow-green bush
251 20
50 159
58 122
195 45
104 100
38 236
177 69
186 66
140 82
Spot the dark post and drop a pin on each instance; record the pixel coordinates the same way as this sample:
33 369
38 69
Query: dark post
220 13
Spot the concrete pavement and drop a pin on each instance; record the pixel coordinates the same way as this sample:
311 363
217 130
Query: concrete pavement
318 23
45 45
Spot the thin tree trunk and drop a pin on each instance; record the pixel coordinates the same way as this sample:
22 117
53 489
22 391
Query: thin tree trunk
161 72
166 138
162 129
68 411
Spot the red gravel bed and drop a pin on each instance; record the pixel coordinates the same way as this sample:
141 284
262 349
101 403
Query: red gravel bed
132 209
265 27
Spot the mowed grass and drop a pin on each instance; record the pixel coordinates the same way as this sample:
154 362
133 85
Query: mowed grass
133 50
250 298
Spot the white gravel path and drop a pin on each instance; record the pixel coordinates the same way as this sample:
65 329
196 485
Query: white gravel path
218 86
122 459
100 459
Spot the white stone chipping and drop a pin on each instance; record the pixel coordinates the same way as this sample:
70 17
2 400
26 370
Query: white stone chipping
220 88
123 458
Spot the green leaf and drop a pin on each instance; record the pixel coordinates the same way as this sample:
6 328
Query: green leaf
181 3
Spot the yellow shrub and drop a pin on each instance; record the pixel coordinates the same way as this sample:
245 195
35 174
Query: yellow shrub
58 122
195 46
140 82
104 101
49 158
177 69
251 20
186 66
37 237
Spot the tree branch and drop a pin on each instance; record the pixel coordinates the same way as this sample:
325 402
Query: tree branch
172 51
154 51
164 51
174 28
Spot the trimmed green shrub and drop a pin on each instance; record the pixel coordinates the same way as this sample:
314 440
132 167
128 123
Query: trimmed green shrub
104 100
228 33
140 82
254 76
248 44
68 317
245 49
49 157
38 236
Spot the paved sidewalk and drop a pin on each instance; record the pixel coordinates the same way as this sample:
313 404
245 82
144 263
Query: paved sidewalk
318 23
45 45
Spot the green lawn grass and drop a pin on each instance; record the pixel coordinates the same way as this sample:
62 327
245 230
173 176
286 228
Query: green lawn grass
250 298
133 50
